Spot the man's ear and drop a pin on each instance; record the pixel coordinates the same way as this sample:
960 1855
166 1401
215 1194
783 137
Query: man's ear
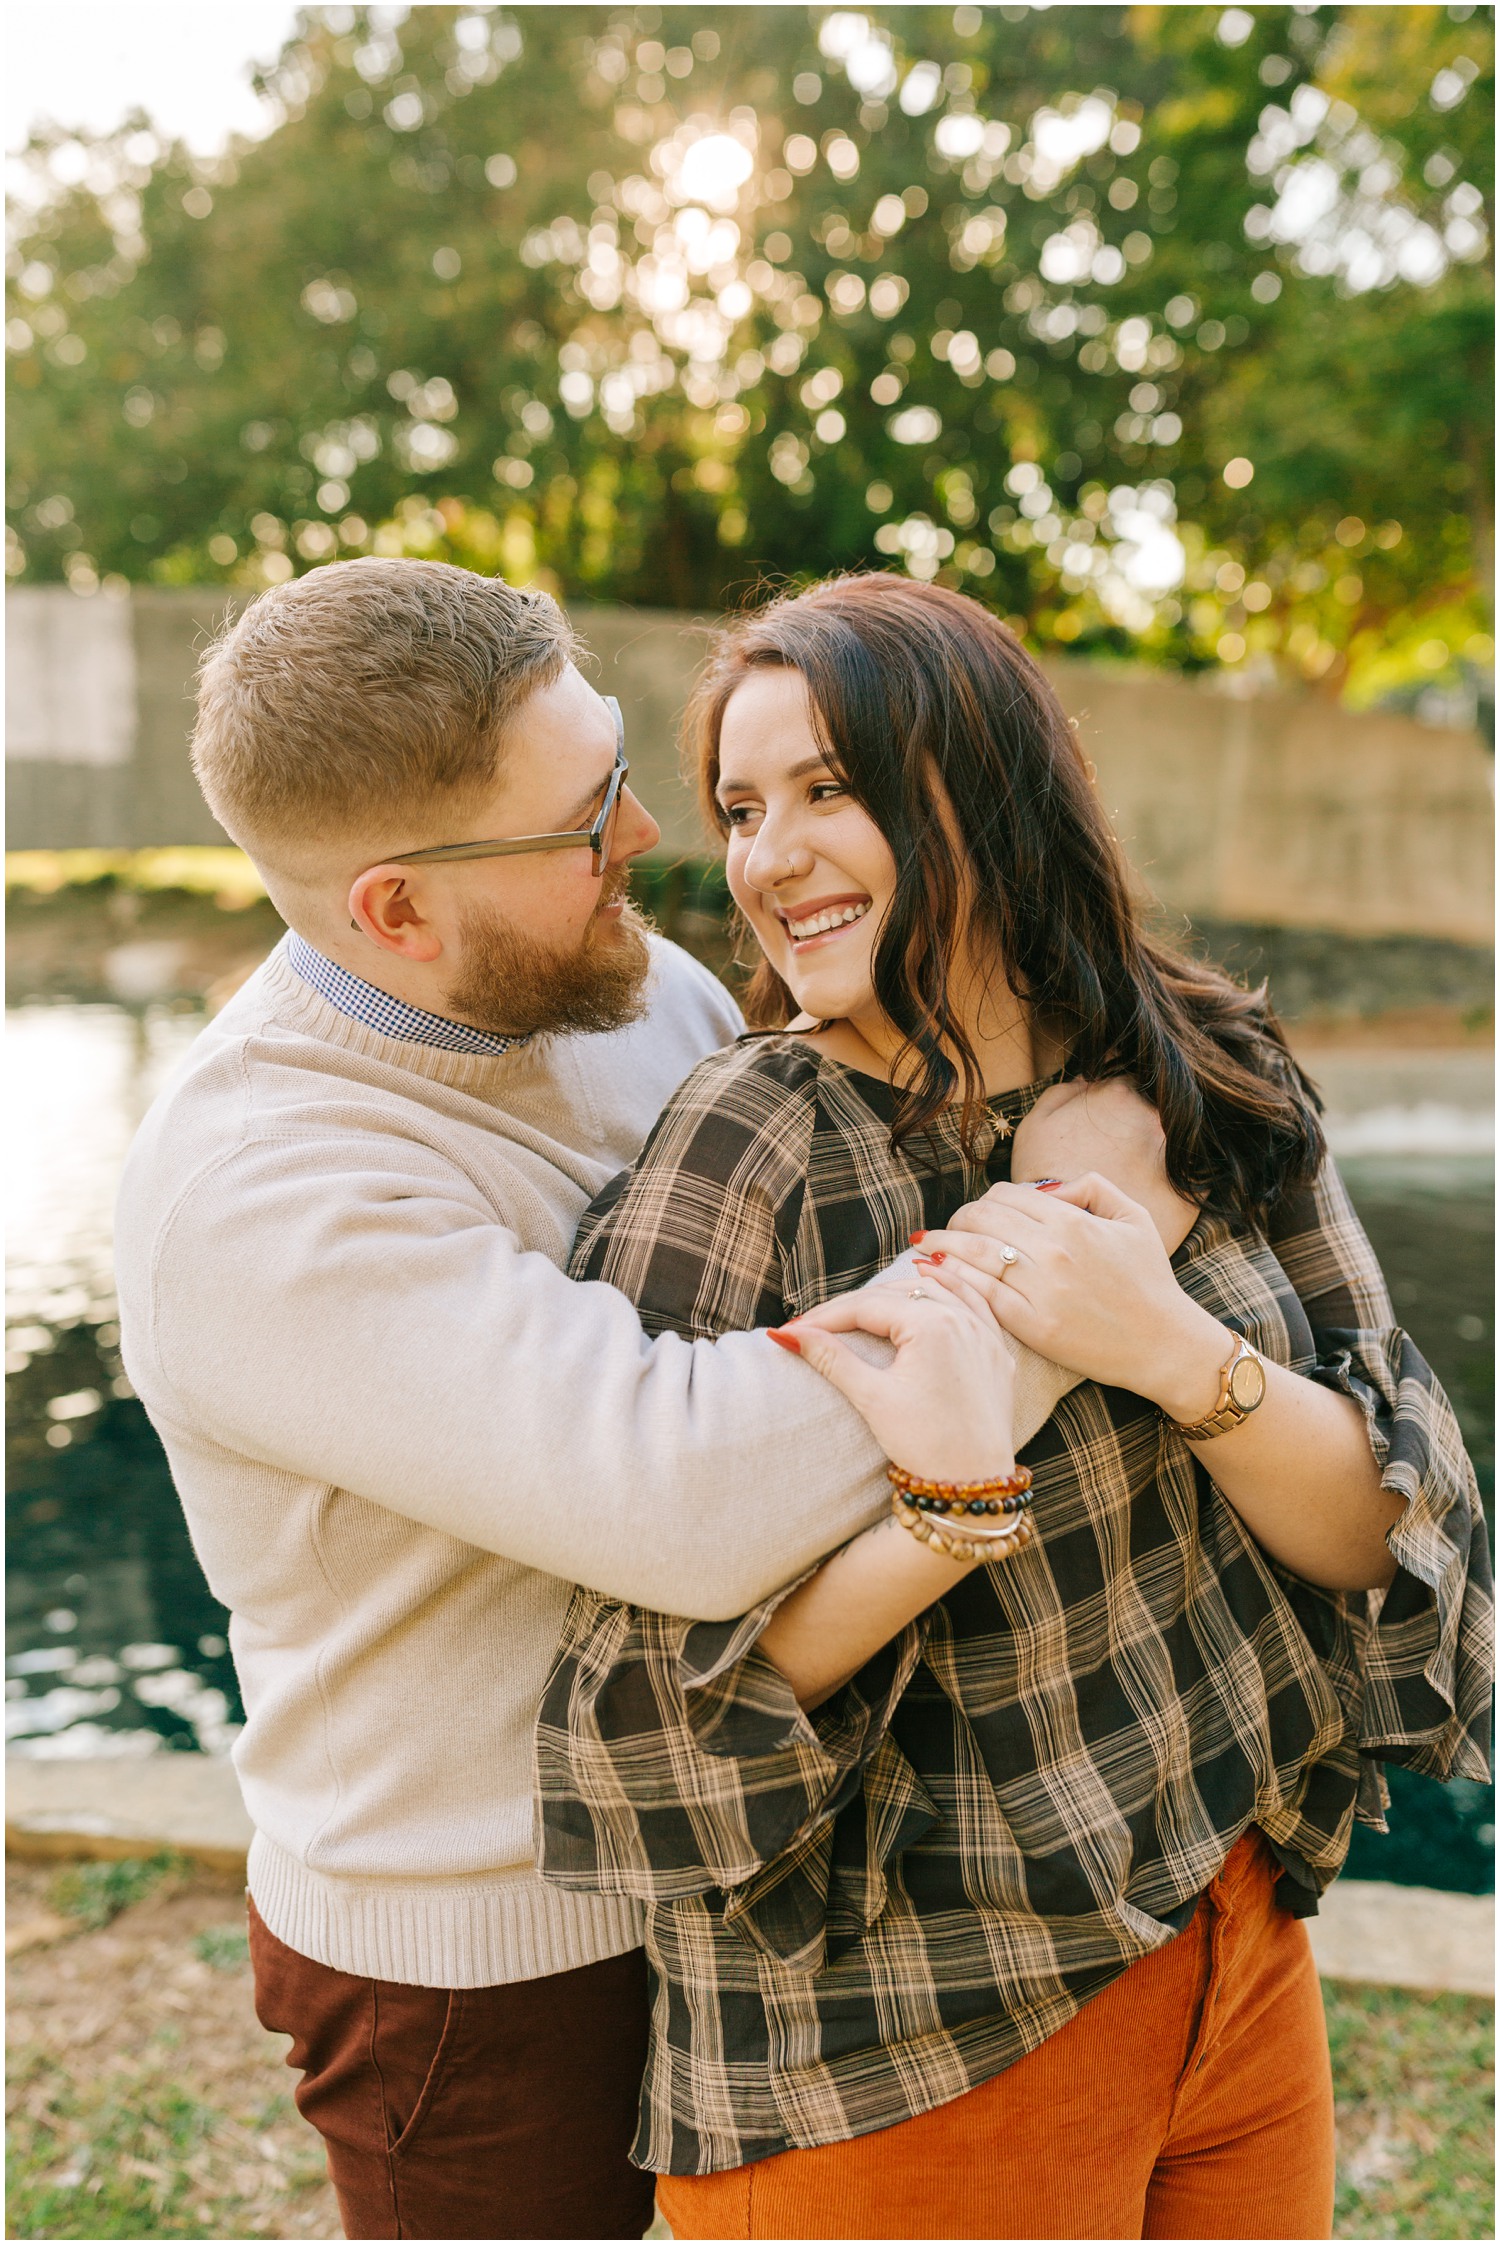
386 905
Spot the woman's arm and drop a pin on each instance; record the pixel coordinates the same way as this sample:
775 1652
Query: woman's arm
1079 1126
1092 1286
673 1758
862 1595
942 1409
696 1231
856 1602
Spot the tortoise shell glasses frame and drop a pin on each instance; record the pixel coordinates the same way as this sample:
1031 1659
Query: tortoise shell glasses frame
598 835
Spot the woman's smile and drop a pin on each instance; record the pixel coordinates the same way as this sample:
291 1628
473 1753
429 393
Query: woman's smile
821 920
806 863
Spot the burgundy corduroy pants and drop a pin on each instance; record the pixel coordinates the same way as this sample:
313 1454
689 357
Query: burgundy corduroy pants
468 2112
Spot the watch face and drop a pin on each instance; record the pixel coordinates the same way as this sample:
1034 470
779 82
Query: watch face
1247 1382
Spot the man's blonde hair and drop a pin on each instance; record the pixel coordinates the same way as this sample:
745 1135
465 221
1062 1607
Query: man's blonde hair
363 699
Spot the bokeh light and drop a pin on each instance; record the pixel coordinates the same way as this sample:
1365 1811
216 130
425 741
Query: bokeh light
805 288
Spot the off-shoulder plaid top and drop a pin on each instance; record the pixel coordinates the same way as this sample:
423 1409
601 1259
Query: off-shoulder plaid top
859 1913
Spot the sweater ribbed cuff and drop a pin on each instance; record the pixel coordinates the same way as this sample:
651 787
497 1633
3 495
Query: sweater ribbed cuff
437 1933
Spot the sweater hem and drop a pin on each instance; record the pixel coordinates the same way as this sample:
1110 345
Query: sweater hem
479 1932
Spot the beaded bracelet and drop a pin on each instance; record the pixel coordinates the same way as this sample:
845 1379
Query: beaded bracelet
993 1544
1006 1493
931 1509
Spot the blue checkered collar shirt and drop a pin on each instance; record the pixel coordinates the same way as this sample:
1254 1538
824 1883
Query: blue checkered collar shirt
388 1016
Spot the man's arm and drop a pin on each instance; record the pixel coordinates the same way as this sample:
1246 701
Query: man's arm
346 1308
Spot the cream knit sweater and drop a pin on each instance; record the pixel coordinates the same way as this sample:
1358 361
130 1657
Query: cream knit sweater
400 1433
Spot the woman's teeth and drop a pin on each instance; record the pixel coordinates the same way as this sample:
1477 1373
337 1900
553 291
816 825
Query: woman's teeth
839 917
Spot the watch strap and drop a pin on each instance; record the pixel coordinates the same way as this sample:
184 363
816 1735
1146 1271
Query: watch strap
1228 1412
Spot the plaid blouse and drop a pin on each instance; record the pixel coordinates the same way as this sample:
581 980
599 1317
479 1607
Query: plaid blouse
861 1912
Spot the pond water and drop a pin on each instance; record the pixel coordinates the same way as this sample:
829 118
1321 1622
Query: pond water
115 1644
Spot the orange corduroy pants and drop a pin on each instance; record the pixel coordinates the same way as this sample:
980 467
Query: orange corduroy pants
1192 2099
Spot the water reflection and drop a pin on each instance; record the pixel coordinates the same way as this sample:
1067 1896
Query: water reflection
117 1646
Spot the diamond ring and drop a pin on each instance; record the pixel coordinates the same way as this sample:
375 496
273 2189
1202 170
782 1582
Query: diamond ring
918 1294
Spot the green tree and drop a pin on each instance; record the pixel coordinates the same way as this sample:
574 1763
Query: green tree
1166 330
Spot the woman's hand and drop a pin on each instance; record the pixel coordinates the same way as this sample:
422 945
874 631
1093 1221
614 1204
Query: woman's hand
1088 1283
942 1407
1111 1129
1092 1288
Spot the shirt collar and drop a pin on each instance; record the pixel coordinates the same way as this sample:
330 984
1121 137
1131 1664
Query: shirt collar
388 1016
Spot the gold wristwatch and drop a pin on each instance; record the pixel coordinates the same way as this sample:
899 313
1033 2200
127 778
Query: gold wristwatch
1242 1388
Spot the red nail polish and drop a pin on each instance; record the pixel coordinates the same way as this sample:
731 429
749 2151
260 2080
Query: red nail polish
1048 1184
787 1341
930 1262
917 1238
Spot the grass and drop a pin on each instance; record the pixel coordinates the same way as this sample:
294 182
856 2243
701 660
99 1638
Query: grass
117 2162
1414 2083
138 2156
223 872
145 2101
225 1947
96 1893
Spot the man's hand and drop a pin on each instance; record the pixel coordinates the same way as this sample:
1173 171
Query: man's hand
1109 1130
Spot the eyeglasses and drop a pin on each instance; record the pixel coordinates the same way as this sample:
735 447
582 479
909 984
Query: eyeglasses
597 836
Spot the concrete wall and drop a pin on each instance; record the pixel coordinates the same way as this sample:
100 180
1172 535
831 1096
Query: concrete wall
1275 809
1281 810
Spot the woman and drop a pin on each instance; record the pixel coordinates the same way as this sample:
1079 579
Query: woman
975 1863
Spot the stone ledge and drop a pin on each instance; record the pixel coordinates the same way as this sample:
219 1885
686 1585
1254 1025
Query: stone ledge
1393 1936
1406 1937
107 1805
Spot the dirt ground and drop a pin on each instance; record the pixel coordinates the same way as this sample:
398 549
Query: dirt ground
145 2099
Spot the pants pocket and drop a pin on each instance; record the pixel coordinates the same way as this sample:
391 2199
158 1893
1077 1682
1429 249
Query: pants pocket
411 2038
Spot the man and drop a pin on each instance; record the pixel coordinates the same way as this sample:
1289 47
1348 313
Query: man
399 1431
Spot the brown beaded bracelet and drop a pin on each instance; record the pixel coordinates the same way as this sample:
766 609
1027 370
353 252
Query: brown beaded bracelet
993 1544
999 1485
1006 1494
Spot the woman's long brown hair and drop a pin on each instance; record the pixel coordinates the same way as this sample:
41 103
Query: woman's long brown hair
920 694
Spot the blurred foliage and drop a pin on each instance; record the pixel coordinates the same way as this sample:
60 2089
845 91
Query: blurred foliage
223 873
1414 2110
1165 330
96 1893
225 1947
